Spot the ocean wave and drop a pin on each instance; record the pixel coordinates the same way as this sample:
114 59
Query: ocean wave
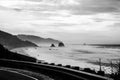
84 51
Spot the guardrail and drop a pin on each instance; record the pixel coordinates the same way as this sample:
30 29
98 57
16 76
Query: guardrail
55 72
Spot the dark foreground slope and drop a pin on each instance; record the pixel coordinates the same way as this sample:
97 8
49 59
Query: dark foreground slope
13 76
57 73
5 54
10 41
54 72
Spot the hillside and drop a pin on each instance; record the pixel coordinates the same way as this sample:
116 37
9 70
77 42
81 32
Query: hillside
6 54
11 41
38 40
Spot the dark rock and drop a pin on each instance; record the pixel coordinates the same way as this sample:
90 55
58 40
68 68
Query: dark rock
102 73
61 44
52 63
89 70
59 64
76 67
68 66
52 45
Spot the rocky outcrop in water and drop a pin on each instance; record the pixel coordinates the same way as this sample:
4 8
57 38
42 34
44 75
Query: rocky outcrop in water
61 44
52 45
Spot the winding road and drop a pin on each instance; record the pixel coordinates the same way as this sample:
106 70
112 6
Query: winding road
13 75
55 72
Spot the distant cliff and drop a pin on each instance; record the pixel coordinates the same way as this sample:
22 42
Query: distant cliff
38 40
11 41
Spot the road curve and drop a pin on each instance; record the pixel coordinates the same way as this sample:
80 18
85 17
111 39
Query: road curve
52 71
12 75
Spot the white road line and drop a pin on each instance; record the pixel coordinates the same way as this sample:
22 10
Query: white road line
20 74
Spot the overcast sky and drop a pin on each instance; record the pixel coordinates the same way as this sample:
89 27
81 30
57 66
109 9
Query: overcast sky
72 21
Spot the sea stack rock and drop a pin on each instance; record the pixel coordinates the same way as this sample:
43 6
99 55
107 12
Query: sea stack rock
52 45
61 44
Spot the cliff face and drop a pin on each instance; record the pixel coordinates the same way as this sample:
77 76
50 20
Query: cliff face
11 41
6 54
38 40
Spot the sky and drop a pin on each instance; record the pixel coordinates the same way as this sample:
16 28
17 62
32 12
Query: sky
71 21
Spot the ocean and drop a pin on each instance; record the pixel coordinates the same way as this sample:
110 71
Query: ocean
84 56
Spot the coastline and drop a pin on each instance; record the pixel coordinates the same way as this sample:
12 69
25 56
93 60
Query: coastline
53 55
